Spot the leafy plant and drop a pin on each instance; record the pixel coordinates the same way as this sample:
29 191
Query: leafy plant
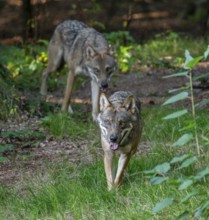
24 138
25 64
120 38
123 43
178 164
3 149
164 50
9 99
23 135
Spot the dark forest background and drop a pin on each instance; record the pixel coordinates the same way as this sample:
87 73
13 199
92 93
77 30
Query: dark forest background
34 19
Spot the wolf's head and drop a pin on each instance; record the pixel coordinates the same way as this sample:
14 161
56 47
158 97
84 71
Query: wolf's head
100 65
116 120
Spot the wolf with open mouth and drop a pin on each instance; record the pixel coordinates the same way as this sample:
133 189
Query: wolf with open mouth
120 124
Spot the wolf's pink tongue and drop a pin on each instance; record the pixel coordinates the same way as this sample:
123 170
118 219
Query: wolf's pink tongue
114 146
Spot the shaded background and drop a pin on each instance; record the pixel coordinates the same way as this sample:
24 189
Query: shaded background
23 20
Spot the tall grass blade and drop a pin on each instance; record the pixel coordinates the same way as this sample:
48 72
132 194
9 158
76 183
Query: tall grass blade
183 216
194 193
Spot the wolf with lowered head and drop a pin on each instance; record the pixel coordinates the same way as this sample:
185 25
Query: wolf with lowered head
84 50
120 124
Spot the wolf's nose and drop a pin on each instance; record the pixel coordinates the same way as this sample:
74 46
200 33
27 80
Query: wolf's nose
104 85
113 137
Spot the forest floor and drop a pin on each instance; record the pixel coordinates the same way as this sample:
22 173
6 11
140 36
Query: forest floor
34 155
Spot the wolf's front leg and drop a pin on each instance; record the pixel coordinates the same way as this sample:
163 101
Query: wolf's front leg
55 54
109 168
122 165
95 99
43 90
66 101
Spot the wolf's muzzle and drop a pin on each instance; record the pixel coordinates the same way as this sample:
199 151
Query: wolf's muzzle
113 138
104 85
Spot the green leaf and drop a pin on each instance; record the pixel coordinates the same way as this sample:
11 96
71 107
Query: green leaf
194 193
202 76
159 169
177 74
184 139
149 171
176 114
162 168
192 63
188 162
179 159
200 210
163 204
183 216
176 98
188 58
157 180
206 53
202 173
33 66
179 89
189 126
185 184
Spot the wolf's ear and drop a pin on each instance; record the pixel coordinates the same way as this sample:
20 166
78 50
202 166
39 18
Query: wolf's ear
103 102
90 52
130 104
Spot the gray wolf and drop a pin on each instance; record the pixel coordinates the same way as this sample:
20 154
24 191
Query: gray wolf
121 127
84 50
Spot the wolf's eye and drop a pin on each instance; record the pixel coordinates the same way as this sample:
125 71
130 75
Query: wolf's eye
96 70
107 122
109 70
122 124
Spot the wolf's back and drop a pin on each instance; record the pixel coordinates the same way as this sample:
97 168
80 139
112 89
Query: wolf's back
72 25
67 31
75 35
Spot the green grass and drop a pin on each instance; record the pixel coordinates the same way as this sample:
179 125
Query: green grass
163 51
79 190
72 125
169 50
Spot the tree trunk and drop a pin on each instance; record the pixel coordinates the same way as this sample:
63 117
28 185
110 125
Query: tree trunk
27 18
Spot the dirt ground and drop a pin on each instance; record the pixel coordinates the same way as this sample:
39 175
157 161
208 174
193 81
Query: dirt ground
150 86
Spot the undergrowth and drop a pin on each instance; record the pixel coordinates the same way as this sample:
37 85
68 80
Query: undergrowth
65 124
191 164
169 181
79 190
21 66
